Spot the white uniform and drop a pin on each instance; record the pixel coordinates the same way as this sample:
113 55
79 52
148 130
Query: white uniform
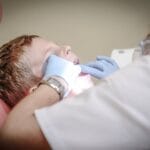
115 115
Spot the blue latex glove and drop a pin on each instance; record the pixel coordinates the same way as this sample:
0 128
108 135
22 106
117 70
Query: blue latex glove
101 67
59 67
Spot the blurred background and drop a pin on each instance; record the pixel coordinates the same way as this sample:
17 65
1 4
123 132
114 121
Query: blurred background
91 27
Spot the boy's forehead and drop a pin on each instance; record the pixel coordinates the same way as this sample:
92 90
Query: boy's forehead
42 46
39 42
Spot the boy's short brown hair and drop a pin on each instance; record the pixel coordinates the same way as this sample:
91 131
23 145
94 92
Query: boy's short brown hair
16 76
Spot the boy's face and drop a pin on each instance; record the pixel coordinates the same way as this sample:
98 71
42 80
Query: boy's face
41 49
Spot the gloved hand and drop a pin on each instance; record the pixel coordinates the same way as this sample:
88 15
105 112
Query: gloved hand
101 67
59 67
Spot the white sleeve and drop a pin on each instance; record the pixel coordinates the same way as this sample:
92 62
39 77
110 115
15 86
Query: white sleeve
113 115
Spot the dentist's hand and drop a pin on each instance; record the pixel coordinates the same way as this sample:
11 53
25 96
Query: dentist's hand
102 67
62 69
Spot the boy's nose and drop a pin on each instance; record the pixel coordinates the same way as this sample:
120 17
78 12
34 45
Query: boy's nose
67 49
76 61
